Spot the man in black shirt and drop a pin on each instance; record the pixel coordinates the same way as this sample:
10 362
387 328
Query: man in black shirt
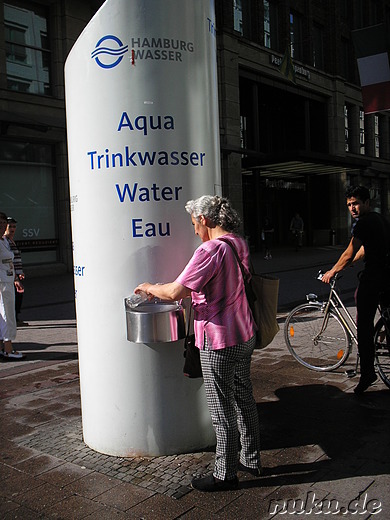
370 240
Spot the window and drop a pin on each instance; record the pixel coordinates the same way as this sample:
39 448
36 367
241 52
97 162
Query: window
27 194
362 147
243 131
318 47
344 10
270 25
237 6
296 36
376 136
346 128
267 25
243 17
358 14
27 49
345 69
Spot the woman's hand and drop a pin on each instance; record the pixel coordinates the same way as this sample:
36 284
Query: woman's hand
172 291
144 287
19 286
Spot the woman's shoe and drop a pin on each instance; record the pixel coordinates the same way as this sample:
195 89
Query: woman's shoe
12 355
211 483
255 472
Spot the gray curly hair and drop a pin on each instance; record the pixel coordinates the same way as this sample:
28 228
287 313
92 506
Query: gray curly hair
217 209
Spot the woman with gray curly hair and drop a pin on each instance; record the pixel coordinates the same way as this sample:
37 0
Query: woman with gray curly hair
224 333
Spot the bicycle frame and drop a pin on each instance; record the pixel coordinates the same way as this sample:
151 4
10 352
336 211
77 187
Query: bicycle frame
334 302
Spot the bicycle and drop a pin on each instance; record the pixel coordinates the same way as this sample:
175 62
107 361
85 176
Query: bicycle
320 335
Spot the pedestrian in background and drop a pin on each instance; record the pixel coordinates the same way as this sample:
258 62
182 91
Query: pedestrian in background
7 296
296 228
10 235
268 233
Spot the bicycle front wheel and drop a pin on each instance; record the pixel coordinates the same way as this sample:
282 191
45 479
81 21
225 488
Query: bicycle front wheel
317 344
382 352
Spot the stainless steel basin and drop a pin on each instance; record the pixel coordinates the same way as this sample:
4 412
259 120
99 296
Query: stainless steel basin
160 322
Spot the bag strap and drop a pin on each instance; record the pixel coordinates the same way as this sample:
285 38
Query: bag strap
189 320
244 276
251 297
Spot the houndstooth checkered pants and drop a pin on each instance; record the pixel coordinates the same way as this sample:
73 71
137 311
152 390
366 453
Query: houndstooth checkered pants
226 374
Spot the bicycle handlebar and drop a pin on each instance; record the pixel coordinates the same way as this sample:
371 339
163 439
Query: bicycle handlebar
321 273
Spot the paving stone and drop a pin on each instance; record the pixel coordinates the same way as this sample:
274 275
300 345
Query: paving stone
124 496
12 453
39 464
14 428
18 483
157 507
65 474
108 513
92 485
74 507
22 513
6 506
42 498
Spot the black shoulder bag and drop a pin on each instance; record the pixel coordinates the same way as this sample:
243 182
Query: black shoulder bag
192 367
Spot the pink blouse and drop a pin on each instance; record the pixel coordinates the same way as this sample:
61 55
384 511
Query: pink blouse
221 309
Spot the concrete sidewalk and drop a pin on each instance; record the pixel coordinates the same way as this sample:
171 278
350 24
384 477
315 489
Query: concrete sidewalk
319 441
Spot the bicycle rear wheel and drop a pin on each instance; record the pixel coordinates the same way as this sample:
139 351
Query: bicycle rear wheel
382 352
321 352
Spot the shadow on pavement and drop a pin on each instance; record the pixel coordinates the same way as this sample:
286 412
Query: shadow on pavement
348 429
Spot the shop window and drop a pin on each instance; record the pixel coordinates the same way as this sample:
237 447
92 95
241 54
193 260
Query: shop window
27 194
28 54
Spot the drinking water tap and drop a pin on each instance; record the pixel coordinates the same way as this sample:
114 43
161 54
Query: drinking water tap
136 299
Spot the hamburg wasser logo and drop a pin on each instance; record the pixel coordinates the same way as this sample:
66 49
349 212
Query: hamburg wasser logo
109 51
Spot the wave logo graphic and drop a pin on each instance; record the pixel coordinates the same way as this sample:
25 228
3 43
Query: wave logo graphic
108 56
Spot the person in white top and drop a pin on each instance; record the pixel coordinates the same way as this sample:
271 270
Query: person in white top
7 296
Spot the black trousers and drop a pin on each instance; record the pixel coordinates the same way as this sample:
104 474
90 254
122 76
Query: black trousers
368 295
18 303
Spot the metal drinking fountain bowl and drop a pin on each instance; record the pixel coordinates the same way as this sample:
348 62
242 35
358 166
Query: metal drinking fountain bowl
159 322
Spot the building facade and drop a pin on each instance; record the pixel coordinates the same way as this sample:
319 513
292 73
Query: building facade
290 141
293 144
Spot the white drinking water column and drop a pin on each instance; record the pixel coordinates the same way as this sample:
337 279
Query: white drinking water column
142 118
